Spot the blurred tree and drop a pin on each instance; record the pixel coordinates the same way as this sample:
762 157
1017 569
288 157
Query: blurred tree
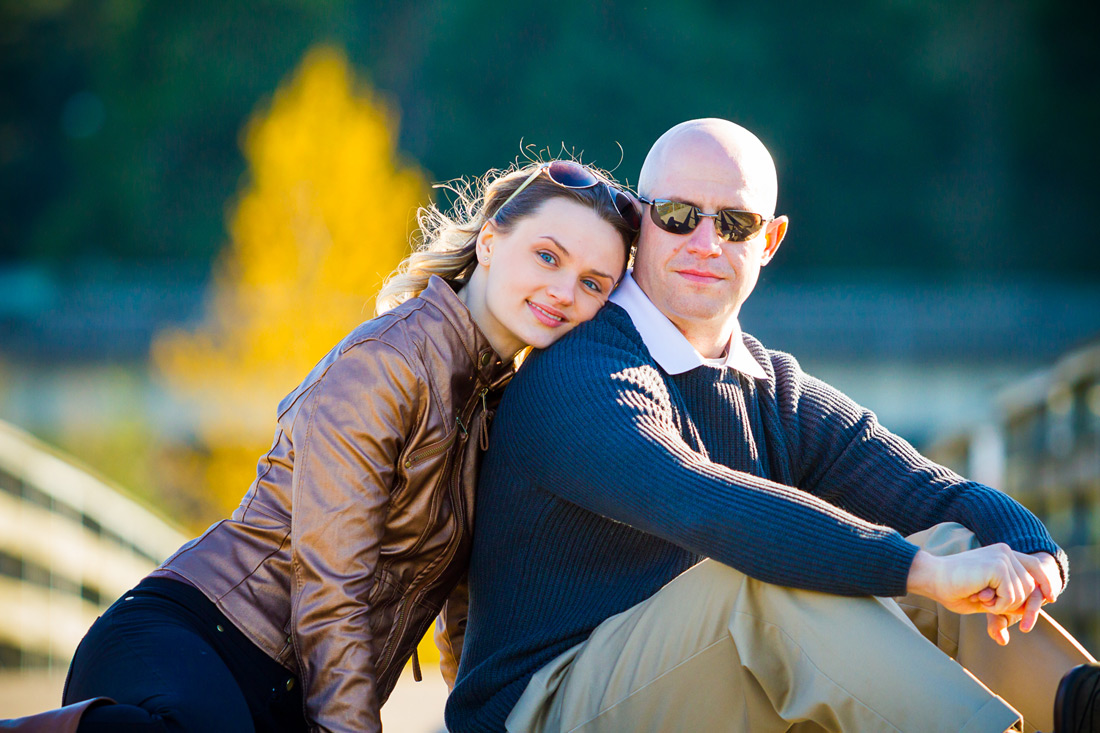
910 134
119 120
326 214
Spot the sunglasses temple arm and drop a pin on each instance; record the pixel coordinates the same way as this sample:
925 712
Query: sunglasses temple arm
519 190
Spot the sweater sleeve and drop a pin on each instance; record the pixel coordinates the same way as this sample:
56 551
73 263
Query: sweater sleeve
843 455
594 425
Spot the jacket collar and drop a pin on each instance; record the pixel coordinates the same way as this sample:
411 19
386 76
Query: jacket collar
490 367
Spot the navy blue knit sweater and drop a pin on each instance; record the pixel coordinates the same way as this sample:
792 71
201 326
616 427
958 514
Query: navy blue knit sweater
607 477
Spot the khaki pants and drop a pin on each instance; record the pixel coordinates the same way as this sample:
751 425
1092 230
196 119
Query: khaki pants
715 650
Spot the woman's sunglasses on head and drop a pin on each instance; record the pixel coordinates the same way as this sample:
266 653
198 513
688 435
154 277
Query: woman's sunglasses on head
570 174
679 217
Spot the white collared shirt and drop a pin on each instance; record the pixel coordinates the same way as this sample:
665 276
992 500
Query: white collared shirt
668 346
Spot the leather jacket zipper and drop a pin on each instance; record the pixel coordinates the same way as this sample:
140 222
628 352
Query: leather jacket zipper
423 453
398 631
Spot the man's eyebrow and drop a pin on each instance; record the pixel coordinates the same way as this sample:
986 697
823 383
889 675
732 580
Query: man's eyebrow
560 246
696 204
678 200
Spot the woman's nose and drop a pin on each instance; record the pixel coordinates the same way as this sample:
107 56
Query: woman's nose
561 292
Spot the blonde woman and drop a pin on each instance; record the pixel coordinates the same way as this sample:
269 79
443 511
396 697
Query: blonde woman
300 610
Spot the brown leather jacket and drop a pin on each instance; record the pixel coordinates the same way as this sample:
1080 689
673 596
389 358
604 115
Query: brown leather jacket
357 528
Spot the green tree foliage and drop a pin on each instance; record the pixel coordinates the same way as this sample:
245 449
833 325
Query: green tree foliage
911 135
119 121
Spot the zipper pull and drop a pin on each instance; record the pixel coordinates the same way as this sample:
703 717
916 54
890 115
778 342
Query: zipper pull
483 422
416 667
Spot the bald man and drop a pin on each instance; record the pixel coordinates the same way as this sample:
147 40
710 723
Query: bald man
678 529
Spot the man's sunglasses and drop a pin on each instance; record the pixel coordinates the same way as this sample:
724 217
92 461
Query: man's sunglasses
679 217
570 174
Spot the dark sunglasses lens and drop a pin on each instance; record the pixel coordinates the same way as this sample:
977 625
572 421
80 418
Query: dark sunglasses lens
628 209
737 226
675 216
568 174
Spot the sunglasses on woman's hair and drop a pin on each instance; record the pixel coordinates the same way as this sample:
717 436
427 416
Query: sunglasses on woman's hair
679 217
570 174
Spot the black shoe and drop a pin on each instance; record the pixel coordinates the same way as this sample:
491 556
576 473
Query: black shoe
1077 703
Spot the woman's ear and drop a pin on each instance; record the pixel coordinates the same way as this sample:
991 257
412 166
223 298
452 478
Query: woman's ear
484 245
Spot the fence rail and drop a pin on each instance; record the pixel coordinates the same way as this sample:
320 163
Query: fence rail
1043 448
70 543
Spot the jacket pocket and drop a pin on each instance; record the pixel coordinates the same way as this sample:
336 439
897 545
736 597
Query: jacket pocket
441 446
411 465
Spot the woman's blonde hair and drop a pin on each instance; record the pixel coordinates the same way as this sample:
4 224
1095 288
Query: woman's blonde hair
447 240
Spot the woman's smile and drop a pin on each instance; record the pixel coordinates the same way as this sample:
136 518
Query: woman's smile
546 315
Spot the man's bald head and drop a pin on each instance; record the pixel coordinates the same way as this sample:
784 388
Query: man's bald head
696 278
716 151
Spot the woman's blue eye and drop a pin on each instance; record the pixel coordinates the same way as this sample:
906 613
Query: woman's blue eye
548 258
592 285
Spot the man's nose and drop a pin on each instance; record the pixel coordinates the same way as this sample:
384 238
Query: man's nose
704 240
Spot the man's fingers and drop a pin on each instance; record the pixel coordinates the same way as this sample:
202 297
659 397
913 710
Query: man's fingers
1031 610
997 626
1052 573
1012 581
1025 583
1006 579
1037 571
986 597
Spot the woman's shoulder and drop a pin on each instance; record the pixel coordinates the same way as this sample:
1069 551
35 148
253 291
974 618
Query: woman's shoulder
390 330
419 338
375 353
436 314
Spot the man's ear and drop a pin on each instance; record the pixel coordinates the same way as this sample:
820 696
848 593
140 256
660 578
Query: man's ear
777 229
485 240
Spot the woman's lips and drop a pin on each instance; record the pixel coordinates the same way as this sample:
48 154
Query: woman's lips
546 315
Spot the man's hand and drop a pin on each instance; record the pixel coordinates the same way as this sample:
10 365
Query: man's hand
1049 577
993 579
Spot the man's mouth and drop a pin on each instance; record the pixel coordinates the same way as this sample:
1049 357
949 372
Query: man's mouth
698 276
546 315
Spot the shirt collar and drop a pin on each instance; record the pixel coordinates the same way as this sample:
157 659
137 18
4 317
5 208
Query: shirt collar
667 345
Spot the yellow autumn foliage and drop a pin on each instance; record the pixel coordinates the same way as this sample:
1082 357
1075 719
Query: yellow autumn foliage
325 215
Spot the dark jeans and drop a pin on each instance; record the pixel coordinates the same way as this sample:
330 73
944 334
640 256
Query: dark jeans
173 662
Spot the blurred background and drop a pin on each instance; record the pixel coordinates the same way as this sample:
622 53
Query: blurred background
197 201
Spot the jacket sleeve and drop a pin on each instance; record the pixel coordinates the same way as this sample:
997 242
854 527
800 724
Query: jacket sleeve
347 436
450 631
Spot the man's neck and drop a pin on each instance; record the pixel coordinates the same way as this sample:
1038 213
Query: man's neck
671 344
710 340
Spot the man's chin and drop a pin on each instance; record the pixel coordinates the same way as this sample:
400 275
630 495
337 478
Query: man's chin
699 311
